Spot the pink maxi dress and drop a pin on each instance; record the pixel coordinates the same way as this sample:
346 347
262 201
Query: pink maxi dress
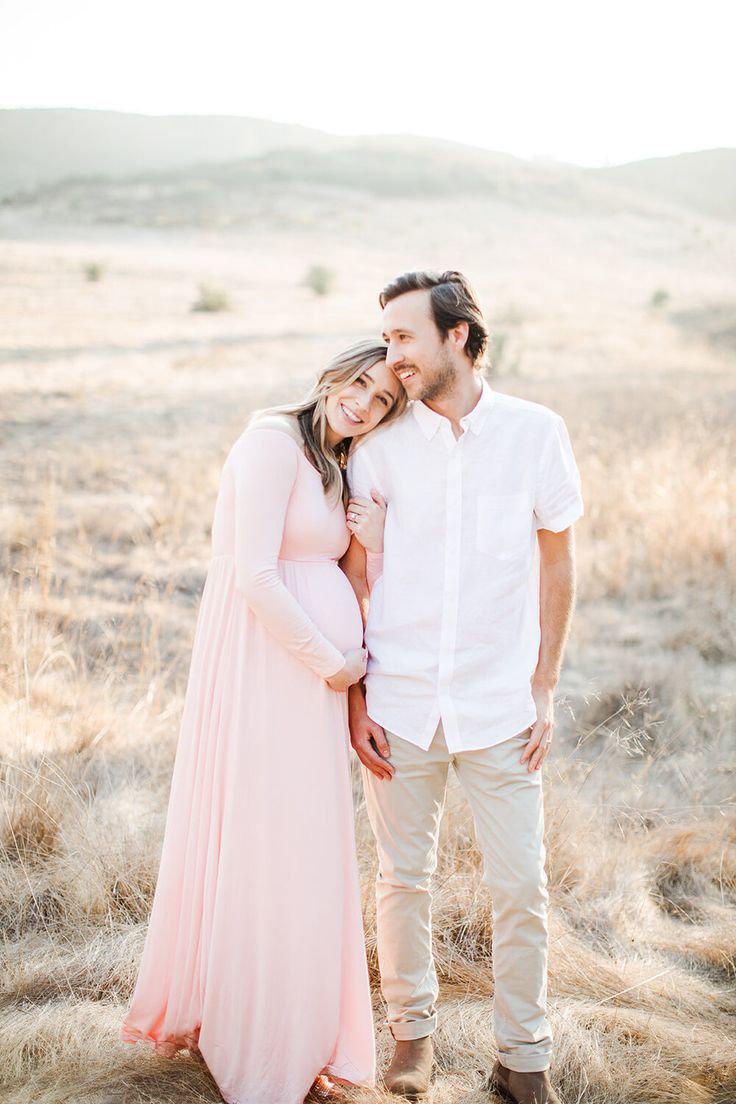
255 949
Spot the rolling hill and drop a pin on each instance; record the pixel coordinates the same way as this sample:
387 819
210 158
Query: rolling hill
40 146
703 181
111 167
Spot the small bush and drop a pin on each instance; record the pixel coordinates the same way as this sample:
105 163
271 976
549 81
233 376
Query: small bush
660 298
211 299
320 279
93 271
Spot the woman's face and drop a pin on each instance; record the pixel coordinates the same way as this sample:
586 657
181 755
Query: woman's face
358 407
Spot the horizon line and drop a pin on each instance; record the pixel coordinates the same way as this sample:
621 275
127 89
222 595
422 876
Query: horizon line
531 158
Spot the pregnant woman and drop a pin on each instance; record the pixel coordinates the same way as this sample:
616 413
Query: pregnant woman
254 954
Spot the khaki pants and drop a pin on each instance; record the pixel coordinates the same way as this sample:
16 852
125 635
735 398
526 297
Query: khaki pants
405 812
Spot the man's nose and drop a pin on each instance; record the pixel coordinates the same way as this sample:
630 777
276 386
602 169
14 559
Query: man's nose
393 357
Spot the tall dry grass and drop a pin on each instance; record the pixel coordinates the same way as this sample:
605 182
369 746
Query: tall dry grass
118 416
641 823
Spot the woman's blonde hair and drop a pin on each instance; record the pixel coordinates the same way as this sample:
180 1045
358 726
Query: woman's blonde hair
310 415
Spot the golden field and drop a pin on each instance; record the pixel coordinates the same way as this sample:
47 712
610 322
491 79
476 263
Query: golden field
119 404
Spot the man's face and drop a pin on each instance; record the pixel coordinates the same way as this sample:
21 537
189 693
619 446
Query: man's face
423 362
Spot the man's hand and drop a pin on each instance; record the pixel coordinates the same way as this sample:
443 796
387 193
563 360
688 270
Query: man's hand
540 737
365 733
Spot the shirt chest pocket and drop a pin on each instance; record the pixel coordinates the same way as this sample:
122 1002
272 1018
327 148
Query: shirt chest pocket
504 525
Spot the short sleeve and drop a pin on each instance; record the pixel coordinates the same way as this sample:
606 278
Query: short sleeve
558 500
362 474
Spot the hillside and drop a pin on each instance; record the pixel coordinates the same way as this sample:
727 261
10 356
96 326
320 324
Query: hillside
704 181
38 146
293 187
112 167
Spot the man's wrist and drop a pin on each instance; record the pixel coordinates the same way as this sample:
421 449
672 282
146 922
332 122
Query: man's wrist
356 700
545 680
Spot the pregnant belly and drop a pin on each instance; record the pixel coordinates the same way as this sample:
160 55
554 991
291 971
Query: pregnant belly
327 598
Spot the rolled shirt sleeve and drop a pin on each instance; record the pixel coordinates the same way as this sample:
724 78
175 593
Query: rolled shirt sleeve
558 500
362 478
361 473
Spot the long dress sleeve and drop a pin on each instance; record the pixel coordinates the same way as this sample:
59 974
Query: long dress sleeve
264 466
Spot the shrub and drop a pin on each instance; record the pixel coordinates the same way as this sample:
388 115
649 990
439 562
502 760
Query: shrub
660 298
93 271
320 279
211 299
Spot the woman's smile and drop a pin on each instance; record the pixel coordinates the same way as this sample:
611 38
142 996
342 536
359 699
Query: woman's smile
349 415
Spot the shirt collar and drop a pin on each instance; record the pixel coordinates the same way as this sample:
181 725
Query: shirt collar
430 421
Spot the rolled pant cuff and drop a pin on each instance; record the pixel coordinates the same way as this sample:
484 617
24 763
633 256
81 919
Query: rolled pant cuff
525 1063
413 1029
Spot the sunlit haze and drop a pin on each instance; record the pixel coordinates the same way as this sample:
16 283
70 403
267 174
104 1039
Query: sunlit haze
585 82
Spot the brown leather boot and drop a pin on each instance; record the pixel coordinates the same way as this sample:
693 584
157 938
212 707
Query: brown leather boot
326 1091
410 1071
523 1088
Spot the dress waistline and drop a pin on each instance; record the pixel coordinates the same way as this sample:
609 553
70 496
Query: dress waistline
282 559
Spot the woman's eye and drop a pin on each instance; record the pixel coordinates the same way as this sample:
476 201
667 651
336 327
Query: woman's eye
361 381
383 399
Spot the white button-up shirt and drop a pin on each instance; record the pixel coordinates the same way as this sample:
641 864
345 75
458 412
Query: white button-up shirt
453 628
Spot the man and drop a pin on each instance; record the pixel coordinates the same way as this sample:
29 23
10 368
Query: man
465 634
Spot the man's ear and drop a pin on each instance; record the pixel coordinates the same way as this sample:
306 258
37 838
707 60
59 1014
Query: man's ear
459 335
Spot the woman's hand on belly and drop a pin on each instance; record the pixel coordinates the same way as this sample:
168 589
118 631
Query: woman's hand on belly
352 672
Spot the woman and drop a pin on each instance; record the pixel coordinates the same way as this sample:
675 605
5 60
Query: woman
254 953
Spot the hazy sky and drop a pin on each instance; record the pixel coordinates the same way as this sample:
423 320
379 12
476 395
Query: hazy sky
588 81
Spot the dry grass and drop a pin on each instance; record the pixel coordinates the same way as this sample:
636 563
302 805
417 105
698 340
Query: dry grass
110 464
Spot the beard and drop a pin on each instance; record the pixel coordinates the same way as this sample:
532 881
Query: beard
440 381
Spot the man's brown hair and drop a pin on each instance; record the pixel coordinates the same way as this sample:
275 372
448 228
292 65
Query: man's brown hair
453 300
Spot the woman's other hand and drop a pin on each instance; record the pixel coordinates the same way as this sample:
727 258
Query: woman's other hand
366 518
352 672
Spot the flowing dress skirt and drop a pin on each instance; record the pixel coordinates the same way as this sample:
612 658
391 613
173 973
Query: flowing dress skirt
255 948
